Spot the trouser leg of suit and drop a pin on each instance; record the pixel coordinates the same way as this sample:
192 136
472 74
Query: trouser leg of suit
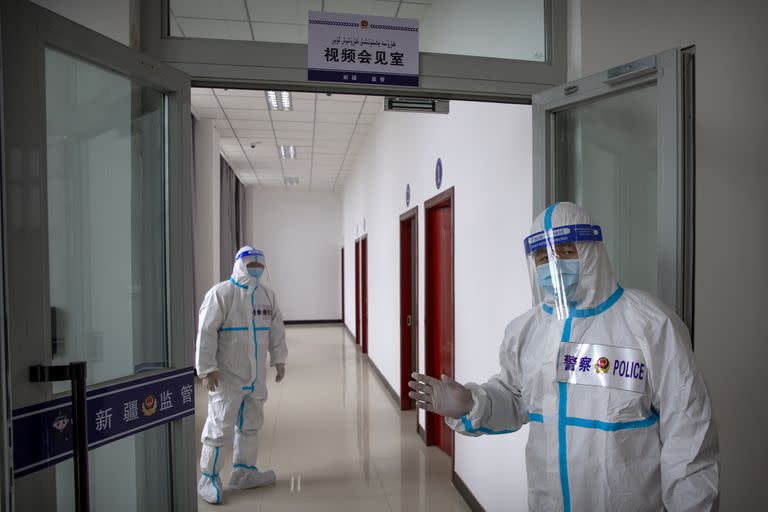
245 474
223 408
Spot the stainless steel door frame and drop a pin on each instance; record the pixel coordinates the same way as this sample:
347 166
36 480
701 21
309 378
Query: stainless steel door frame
665 71
27 29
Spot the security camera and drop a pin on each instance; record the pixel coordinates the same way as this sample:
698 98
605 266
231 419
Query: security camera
253 145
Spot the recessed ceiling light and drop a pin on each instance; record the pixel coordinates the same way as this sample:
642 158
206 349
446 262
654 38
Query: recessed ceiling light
279 100
287 152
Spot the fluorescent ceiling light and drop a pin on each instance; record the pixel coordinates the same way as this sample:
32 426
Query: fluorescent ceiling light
279 100
287 152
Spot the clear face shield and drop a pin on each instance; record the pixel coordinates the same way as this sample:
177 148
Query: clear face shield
255 264
554 267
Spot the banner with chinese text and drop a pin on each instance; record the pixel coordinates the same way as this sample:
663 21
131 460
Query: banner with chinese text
353 48
42 433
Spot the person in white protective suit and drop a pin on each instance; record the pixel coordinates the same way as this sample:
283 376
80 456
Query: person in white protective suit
619 416
239 323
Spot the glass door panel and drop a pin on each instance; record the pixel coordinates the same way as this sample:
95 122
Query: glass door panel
106 219
96 201
606 161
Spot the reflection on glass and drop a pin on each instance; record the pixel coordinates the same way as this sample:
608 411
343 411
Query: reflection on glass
130 474
106 218
606 161
505 29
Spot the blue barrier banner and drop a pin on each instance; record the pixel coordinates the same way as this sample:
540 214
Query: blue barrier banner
42 433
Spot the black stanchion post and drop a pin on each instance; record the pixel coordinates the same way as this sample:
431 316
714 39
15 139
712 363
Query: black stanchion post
76 373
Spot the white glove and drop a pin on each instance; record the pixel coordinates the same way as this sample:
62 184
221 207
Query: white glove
445 397
211 381
280 367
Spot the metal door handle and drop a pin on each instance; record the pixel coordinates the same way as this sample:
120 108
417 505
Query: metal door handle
76 373
408 320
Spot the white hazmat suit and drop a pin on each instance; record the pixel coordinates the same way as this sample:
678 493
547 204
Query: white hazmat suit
239 323
619 415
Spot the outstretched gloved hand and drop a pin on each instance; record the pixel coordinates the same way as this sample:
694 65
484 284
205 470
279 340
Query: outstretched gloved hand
280 367
211 381
445 397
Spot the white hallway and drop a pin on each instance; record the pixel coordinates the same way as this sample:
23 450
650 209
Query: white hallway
337 439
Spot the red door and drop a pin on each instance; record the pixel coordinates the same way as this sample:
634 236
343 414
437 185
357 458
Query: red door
357 292
364 291
439 307
408 304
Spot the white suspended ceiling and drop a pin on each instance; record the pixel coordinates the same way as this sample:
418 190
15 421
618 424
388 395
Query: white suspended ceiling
327 131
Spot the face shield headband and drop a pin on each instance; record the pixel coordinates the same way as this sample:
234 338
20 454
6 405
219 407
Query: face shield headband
563 234
255 253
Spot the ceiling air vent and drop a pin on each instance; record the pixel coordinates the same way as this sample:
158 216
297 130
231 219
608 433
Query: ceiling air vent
402 104
291 180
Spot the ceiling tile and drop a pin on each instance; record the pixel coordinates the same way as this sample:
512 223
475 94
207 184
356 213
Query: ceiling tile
208 113
414 11
326 117
306 116
204 102
254 115
240 92
346 107
356 98
373 107
302 104
283 126
263 134
215 29
244 102
251 125
283 11
280 33
304 96
219 9
201 91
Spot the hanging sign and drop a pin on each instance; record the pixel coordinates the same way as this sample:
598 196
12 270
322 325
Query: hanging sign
358 49
42 433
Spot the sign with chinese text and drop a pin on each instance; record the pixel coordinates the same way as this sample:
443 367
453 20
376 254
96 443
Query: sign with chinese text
42 433
358 49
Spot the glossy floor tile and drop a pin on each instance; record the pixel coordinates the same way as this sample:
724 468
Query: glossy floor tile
337 440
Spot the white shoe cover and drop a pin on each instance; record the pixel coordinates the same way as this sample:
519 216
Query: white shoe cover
248 477
210 489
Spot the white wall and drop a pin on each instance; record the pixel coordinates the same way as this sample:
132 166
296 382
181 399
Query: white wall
207 207
300 234
486 154
730 338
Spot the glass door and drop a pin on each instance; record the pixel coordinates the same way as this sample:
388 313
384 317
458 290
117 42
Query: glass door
614 144
96 241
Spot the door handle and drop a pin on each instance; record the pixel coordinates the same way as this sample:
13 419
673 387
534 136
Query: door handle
76 373
408 320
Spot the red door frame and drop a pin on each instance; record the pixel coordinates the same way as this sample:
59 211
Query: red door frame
409 302
357 291
343 317
364 290
444 199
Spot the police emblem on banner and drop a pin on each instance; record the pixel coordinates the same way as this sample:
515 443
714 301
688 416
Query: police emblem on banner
149 406
602 365
62 430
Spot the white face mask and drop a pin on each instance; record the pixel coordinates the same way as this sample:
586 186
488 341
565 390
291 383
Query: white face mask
569 272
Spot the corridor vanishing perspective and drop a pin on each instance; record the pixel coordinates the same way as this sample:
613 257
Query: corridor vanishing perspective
336 439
